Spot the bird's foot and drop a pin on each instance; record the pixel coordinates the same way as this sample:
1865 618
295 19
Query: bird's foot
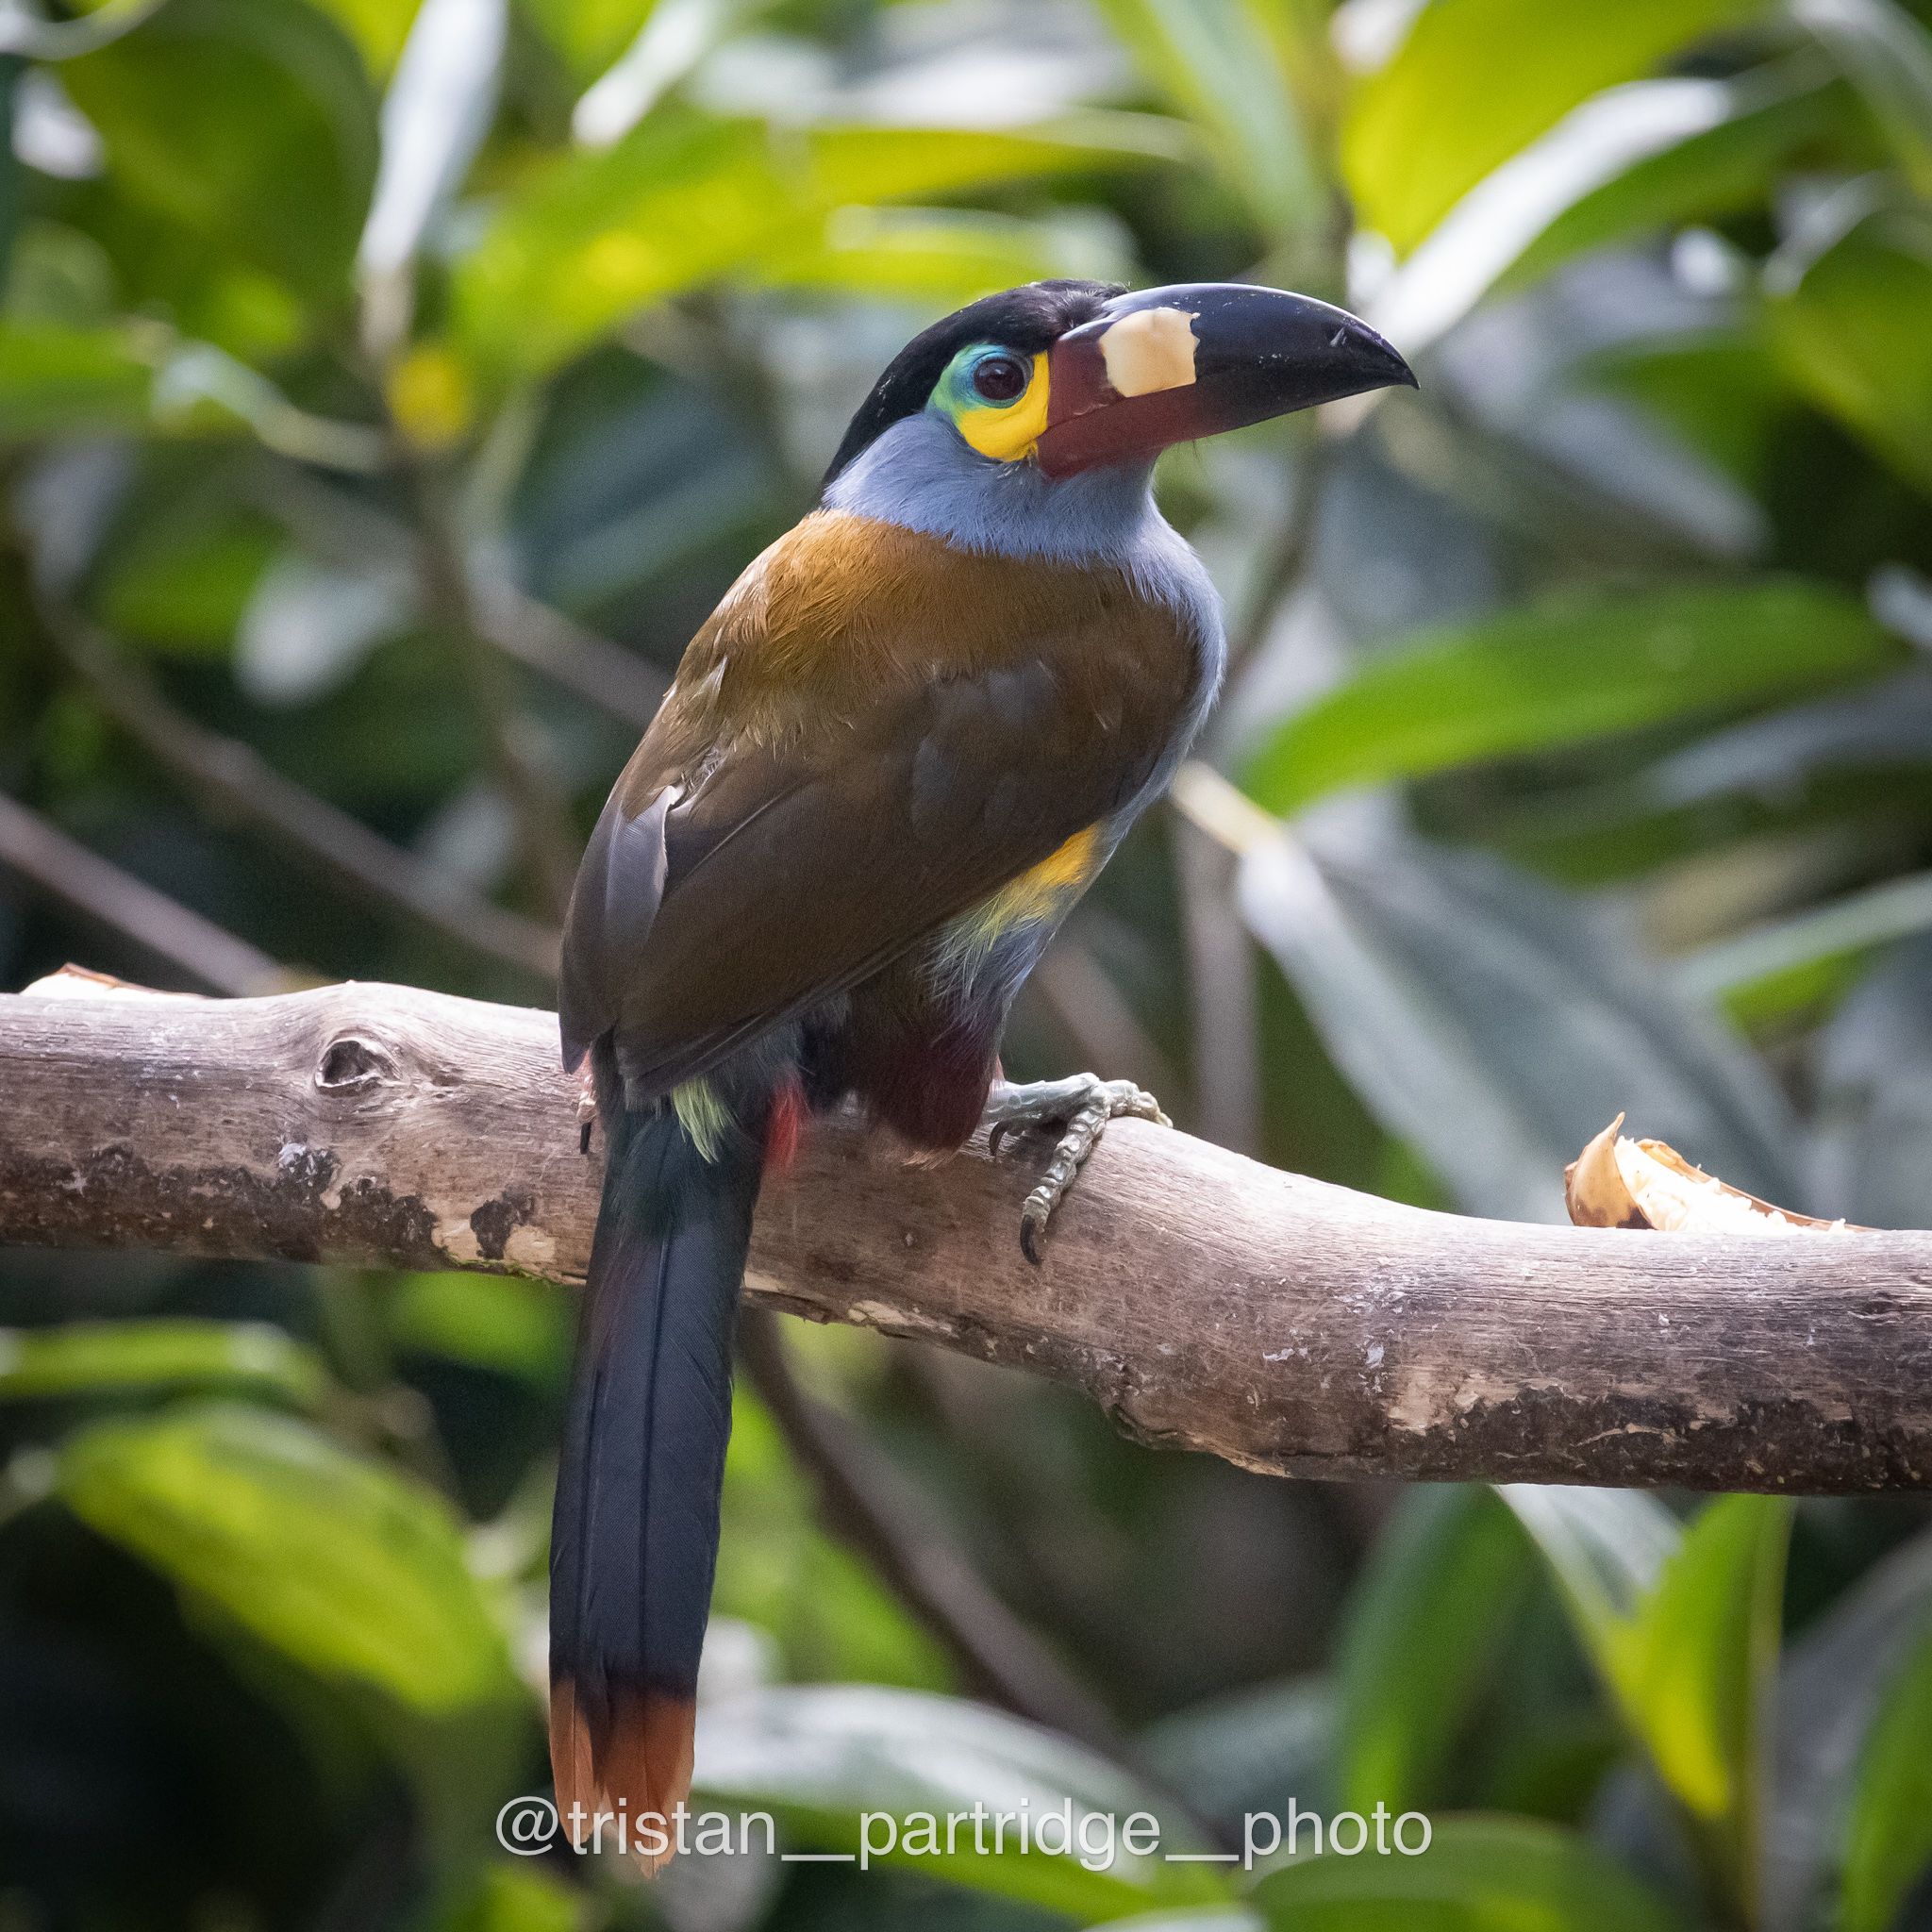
1080 1106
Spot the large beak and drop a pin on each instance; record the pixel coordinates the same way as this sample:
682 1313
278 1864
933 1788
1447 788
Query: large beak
1166 365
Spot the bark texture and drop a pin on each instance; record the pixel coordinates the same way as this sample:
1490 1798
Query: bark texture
1206 1302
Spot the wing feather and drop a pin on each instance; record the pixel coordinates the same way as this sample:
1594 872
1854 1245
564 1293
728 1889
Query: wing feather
836 776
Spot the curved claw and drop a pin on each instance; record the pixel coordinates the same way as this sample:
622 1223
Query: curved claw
1032 1227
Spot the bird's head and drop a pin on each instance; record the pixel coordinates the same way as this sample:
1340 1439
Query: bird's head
1066 376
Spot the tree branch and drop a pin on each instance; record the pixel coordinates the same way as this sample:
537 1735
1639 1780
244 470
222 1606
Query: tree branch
1206 1302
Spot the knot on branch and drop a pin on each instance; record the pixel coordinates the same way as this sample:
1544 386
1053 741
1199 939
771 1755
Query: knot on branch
352 1063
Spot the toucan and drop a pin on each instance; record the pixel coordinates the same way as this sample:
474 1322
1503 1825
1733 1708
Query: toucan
893 756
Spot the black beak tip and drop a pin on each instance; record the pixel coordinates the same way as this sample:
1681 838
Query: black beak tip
1380 359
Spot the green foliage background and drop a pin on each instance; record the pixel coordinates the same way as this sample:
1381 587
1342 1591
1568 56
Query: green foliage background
387 391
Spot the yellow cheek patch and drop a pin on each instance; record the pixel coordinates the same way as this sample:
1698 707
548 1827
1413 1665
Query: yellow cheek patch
1151 349
1008 434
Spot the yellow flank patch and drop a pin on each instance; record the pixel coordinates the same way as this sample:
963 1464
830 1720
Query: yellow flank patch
1151 349
1064 869
1036 894
1007 434
702 1115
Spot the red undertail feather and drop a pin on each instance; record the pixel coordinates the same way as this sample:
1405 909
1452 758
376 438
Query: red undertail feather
782 1127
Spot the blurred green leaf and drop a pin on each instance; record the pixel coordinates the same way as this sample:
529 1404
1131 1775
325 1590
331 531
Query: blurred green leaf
502 1323
25 31
330 1558
1250 1751
1202 1919
1720 390
1217 61
1728 165
275 162
823 1756
1887 1827
1607 1549
83 1359
1494 1024
183 580
1686 1641
1849 325
1834 1679
672 40
513 1898
1525 680
886 163
1787 953
1855 1712
940 255
1429 1615
378 29
1700 1673
1478 79
1479 1874
57 380
1774 1001
587 35
682 198
591 239
1887 56
434 118
1634 158
56 276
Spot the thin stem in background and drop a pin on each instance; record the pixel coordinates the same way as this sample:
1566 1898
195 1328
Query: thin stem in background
544 640
873 1510
101 893
1089 1007
236 778
349 531
1223 985
1226 992
1287 559
546 833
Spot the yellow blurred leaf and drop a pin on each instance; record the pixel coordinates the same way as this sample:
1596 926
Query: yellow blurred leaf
431 398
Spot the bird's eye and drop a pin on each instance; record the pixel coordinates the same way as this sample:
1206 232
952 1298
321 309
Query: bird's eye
999 380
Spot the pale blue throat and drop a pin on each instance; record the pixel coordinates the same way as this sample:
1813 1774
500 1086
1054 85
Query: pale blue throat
923 474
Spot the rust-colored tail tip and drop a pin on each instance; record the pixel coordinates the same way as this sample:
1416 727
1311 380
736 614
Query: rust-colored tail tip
621 1778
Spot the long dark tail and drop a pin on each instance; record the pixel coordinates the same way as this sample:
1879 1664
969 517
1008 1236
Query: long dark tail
634 1538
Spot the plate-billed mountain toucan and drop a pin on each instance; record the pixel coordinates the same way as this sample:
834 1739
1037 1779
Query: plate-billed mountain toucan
895 755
